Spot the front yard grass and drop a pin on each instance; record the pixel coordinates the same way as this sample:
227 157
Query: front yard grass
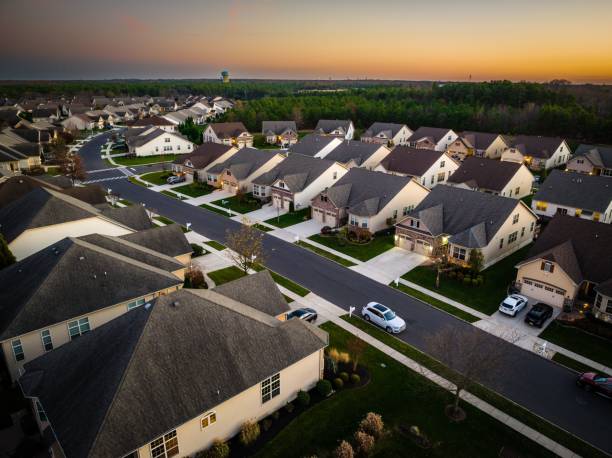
379 244
128 161
134 180
326 254
194 189
216 245
225 275
216 210
168 193
157 178
241 204
163 219
290 219
484 298
403 398
581 342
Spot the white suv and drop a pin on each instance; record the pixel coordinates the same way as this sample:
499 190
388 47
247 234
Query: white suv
383 317
513 304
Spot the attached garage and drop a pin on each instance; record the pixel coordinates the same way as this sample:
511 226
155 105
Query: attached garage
405 242
543 292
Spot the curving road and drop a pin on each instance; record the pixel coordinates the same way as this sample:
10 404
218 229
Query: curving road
541 386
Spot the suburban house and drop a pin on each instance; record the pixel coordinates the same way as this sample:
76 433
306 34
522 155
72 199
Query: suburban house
154 121
435 138
45 114
20 158
453 221
460 149
570 265
538 153
367 201
315 145
202 158
43 216
63 291
386 133
507 179
282 133
352 153
296 181
228 133
105 378
155 141
335 128
168 240
241 168
79 121
574 194
486 144
592 159
428 167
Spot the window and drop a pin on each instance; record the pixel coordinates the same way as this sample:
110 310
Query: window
178 147
354 221
166 446
394 214
136 303
335 175
168 148
364 223
459 253
17 350
442 164
78 327
281 184
270 388
512 237
515 219
440 177
501 243
609 306
405 211
562 211
541 205
548 267
532 226
46 340
522 231
40 412
517 191
208 419
432 179
167 140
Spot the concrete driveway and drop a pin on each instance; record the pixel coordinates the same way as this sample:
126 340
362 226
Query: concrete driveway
306 228
389 265
517 324
266 212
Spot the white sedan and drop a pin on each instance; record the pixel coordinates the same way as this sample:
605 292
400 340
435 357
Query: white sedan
383 317
513 304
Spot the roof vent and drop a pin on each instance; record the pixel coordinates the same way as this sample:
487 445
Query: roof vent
81 258
94 276
176 304
147 306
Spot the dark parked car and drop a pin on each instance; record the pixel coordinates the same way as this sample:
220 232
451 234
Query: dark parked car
597 383
306 314
538 314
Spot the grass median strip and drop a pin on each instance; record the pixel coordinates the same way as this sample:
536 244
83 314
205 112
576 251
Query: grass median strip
436 303
134 180
505 405
163 219
326 254
571 363
220 211
216 245
171 194
262 228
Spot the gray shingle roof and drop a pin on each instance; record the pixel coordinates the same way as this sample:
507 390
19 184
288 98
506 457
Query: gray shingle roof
434 133
68 279
485 173
353 150
389 128
152 121
169 240
470 218
311 144
480 140
245 162
297 171
277 127
536 146
204 154
134 216
228 129
576 190
599 155
221 339
329 125
364 192
412 161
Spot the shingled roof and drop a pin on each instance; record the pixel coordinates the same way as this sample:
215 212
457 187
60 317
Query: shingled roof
576 190
352 150
390 129
311 144
598 155
297 171
485 173
536 146
72 278
169 240
480 140
151 121
204 154
245 162
412 161
435 134
228 129
277 127
106 369
327 126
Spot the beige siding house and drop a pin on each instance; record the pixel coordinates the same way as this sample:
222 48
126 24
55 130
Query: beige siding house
592 160
228 133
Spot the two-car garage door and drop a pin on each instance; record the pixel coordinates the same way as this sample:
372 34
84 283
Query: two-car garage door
327 218
543 292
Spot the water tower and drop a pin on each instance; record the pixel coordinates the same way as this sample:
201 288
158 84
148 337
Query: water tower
225 76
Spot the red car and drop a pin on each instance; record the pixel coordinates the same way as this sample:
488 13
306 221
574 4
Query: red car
597 383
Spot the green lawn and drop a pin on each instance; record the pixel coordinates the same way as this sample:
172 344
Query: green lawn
579 341
134 160
572 363
326 254
290 285
134 180
484 298
225 275
289 219
216 245
520 413
163 219
364 252
194 189
127 203
165 192
157 178
528 199
436 303
241 204
259 141
403 398
216 210
118 150
262 228
53 171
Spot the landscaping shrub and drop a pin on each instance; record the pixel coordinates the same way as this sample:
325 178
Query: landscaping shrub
460 276
249 433
276 415
344 376
289 407
364 443
467 280
452 274
326 230
303 398
339 356
355 378
480 279
372 424
198 250
324 387
338 383
475 282
266 424
344 450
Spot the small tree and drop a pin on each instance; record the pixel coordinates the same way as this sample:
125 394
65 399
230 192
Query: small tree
194 278
372 424
219 449
249 433
246 246
6 257
344 450
364 443
72 166
355 347
476 260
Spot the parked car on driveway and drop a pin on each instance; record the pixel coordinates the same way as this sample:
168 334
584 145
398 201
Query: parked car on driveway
384 317
305 313
513 304
592 381
538 314
174 179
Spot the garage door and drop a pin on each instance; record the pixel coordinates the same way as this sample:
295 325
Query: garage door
318 215
423 247
543 292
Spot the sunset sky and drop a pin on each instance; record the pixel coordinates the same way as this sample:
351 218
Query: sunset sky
386 39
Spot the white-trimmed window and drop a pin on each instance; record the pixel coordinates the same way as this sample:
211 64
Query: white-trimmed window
167 140
459 253
354 221
78 327
548 267
17 350
512 237
136 303
208 419
515 218
47 342
165 446
270 388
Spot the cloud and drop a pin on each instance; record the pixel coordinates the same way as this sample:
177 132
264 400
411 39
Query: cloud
134 23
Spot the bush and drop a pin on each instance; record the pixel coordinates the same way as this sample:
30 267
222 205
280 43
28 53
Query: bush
480 279
198 250
344 376
344 450
266 424
372 424
303 398
452 274
355 379
364 443
324 387
326 230
467 280
289 407
276 415
249 433
475 282
460 276
338 383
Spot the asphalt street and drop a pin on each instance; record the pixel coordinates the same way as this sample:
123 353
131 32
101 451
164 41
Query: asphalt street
542 386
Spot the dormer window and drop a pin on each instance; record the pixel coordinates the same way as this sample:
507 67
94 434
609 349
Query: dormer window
167 140
281 184
548 267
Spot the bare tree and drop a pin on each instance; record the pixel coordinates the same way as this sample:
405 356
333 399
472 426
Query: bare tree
246 246
471 354
72 166
355 347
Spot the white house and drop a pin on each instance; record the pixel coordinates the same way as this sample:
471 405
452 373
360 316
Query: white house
315 145
537 152
435 138
336 128
386 133
228 133
155 141
486 144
